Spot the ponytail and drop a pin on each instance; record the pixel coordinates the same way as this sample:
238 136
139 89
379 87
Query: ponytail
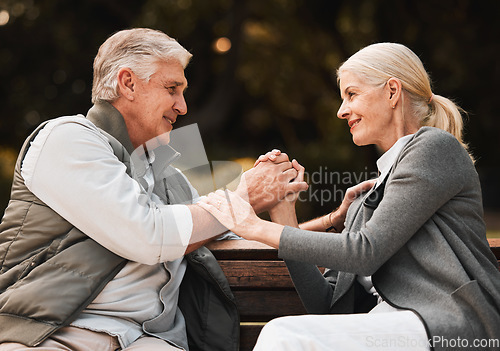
445 114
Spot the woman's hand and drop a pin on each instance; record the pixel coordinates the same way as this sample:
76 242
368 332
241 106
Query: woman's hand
334 221
292 197
284 211
231 211
336 218
269 156
353 192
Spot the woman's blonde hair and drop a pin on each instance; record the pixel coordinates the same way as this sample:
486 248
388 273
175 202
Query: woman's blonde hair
139 49
377 63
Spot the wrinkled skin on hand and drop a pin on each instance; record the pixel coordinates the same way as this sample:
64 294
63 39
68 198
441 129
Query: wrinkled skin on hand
232 211
269 182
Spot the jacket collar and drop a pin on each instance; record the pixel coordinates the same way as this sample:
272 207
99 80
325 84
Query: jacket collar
106 117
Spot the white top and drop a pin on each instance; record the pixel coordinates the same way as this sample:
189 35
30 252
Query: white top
384 165
386 161
71 167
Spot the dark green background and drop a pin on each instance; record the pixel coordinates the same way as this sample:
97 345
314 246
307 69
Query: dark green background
274 88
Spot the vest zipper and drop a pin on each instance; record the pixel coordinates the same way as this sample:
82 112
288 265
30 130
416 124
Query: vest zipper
166 191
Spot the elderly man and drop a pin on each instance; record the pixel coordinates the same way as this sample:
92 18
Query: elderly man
101 246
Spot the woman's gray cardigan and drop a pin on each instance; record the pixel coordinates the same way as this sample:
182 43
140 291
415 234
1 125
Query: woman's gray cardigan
422 239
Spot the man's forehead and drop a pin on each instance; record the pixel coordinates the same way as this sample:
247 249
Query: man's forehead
172 72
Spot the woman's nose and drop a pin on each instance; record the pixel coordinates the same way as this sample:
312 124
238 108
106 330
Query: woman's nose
343 111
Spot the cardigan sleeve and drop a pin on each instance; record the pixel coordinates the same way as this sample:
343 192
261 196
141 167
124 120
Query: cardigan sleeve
314 290
429 172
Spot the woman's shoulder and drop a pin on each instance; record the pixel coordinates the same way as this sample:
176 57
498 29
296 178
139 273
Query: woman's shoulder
435 141
437 149
437 156
435 135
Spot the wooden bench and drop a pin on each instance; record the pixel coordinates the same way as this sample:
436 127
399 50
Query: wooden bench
261 284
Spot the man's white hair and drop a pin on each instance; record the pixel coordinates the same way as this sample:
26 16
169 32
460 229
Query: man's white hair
139 49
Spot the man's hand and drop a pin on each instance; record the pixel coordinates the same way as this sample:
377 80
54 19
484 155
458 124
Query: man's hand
269 182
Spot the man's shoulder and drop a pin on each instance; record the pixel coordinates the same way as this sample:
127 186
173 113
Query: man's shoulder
66 134
69 129
64 138
75 121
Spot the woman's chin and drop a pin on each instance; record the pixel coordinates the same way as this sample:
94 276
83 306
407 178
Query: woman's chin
359 141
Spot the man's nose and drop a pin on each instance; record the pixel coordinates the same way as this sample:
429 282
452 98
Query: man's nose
180 106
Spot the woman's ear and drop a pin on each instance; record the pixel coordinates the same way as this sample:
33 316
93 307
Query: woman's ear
395 88
126 83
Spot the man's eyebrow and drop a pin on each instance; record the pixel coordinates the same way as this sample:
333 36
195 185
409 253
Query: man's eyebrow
173 82
176 83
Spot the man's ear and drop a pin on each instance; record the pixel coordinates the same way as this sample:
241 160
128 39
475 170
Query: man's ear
395 88
126 83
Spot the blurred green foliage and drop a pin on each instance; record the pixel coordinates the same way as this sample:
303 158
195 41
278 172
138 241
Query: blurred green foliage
275 87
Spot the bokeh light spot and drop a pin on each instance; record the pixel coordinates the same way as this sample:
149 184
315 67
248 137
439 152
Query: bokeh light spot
4 17
222 45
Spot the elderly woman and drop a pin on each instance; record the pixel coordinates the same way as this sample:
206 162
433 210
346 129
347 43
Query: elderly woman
412 268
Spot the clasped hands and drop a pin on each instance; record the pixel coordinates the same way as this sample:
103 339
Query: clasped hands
272 178
273 185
